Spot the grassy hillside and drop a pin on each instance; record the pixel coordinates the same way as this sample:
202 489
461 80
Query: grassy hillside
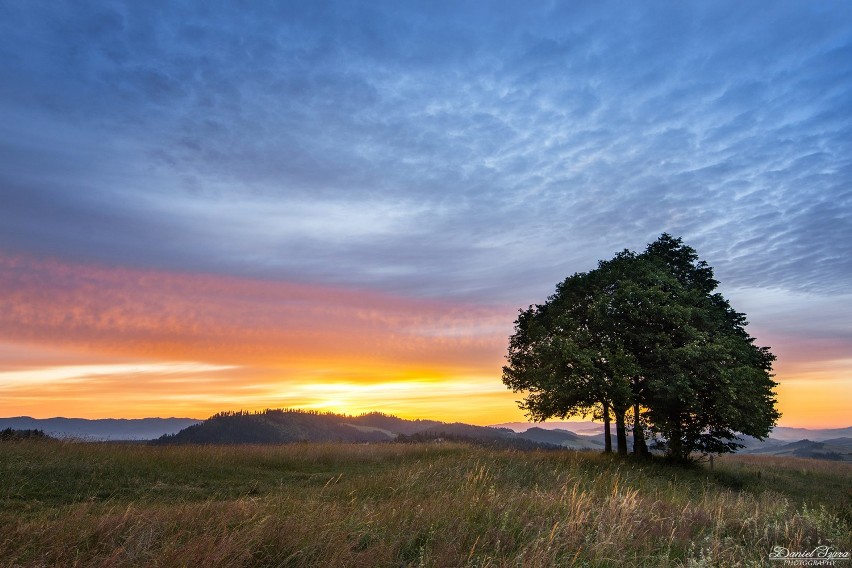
78 504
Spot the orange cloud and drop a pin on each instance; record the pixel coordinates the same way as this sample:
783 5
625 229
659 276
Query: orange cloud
64 385
99 341
90 340
231 320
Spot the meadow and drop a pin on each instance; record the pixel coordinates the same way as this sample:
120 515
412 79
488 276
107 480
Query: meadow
436 504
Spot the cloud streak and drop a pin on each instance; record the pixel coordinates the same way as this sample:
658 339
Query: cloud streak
230 320
380 145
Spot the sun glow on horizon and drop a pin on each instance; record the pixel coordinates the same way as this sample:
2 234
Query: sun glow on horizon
199 390
94 342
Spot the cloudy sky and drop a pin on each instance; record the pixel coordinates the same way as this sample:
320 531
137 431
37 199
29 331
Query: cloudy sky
209 206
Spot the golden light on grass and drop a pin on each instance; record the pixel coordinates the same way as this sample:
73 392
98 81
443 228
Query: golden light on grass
406 504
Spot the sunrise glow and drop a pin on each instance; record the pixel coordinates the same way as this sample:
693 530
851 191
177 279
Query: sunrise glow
91 341
219 209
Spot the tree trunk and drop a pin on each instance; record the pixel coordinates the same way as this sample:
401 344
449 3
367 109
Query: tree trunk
607 434
640 448
621 432
676 445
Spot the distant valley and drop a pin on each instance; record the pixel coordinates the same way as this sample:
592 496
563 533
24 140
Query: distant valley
104 429
284 426
828 443
780 433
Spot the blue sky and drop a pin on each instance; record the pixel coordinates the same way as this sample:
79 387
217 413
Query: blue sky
434 148
473 151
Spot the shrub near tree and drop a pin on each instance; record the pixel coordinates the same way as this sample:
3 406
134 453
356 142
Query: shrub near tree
645 340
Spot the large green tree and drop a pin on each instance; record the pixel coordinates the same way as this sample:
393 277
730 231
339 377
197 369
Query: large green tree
645 337
567 360
710 382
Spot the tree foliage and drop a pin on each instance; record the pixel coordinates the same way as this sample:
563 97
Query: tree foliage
645 332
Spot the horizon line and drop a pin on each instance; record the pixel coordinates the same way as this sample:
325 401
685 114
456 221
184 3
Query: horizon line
499 424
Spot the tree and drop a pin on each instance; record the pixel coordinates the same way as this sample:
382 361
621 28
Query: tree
710 382
566 360
645 334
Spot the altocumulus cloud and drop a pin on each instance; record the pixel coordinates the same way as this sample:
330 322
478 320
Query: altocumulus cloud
468 150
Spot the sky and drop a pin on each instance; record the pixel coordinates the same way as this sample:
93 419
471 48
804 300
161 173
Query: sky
341 206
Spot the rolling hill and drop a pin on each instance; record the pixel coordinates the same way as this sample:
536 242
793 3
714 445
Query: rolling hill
838 449
562 438
285 426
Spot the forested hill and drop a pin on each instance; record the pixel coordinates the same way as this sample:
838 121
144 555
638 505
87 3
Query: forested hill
283 426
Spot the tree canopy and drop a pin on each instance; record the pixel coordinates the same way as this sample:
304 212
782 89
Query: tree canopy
645 333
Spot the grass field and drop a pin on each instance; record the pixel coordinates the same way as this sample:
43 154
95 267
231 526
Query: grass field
89 504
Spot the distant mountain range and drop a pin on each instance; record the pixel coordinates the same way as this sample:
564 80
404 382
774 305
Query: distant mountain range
839 449
101 429
283 426
780 433
793 434
828 443
586 428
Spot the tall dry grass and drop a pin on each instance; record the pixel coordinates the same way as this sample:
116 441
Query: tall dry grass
398 505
